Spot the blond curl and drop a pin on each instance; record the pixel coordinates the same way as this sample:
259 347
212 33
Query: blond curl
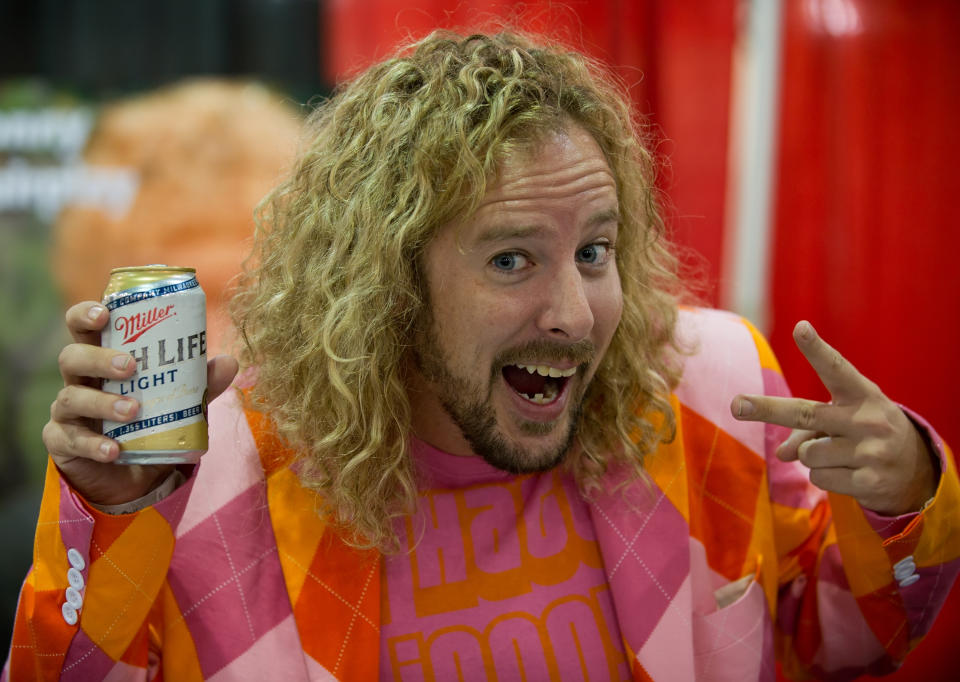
331 301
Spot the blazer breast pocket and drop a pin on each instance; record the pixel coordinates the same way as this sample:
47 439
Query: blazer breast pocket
735 642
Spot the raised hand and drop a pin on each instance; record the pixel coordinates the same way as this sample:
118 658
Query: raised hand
859 444
72 436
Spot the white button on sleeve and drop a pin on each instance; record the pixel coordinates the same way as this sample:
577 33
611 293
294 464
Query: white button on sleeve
76 559
75 578
905 562
909 580
902 572
69 613
74 598
904 569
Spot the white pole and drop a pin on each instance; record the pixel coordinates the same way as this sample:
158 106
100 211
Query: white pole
745 285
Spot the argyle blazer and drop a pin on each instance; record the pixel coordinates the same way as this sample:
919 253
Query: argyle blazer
235 576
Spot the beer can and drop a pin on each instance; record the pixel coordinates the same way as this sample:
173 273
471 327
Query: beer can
158 315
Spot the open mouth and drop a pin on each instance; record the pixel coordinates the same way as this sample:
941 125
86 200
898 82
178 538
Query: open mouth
538 384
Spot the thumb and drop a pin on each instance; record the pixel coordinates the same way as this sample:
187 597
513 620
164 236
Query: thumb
220 373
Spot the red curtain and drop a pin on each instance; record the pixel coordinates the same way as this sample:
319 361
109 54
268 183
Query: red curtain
865 243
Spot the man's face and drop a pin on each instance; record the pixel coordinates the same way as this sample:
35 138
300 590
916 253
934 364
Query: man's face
524 300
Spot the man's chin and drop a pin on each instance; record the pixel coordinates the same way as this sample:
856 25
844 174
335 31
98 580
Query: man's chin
507 440
525 462
538 447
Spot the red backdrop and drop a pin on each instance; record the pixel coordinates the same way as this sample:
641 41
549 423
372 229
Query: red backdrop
865 245
865 185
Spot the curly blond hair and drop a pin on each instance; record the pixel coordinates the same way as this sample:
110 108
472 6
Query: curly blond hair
330 305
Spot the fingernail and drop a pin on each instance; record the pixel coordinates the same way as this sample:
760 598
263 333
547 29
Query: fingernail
124 407
120 361
107 448
805 330
745 408
94 312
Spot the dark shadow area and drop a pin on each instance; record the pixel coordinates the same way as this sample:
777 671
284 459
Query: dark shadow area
106 47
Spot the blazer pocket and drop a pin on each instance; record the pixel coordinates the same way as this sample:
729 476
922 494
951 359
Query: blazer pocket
735 642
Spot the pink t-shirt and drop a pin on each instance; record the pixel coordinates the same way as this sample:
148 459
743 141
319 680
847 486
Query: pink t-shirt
505 581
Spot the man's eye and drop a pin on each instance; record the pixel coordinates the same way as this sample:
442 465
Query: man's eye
509 261
594 254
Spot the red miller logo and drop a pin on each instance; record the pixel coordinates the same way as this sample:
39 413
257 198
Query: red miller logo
132 327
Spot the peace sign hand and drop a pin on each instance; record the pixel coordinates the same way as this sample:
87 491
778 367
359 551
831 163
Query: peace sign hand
859 444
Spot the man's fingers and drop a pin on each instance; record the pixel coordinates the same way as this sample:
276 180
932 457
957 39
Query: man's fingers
65 440
816 450
835 480
220 373
826 452
833 466
787 450
859 483
85 320
77 402
794 413
79 363
839 376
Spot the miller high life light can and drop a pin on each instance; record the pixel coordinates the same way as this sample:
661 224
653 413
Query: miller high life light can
158 315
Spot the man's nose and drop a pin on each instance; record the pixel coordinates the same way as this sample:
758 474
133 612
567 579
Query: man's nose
566 313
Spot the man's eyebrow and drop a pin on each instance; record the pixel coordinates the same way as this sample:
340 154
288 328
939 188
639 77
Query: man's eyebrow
500 233
611 215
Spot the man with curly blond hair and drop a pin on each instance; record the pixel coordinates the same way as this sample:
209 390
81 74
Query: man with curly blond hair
476 436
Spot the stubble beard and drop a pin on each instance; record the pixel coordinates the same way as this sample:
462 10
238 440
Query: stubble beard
471 409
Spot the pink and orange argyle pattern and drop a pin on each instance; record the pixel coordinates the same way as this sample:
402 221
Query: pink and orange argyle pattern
235 576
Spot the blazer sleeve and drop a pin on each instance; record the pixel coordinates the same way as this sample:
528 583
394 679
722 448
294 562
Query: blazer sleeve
85 606
857 591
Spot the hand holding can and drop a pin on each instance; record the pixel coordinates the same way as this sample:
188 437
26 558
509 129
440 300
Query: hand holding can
73 435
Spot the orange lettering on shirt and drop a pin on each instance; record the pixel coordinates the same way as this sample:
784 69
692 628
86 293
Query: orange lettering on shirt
479 543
